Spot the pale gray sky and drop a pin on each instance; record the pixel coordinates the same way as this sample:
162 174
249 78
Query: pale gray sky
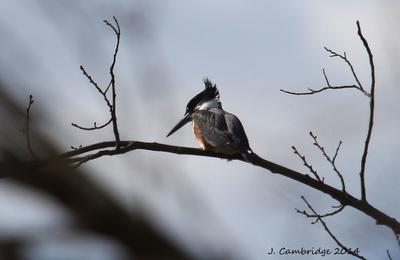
251 49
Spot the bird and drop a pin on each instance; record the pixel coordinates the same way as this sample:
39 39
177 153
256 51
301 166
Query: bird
215 129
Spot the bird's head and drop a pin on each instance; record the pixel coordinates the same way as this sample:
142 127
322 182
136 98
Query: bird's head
206 99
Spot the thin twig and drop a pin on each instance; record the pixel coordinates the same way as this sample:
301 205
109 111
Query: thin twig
28 139
305 213
312 91
95 126
371 112
309 166
344 57
94 83
328 158
337 151
319 218
388 254
96 86
108 87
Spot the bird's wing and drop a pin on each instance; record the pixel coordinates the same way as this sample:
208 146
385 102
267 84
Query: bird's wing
238 135
213 127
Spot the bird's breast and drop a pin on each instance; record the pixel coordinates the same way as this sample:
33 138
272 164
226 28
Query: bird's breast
199 136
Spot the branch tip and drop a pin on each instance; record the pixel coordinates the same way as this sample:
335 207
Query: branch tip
27 125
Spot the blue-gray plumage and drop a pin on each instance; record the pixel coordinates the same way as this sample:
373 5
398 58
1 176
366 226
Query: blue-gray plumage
221 131
216 129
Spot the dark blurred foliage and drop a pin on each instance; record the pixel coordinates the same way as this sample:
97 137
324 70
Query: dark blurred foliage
91 207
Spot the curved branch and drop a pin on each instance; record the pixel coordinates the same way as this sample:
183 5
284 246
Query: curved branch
343 197
371 112
117 32
95 126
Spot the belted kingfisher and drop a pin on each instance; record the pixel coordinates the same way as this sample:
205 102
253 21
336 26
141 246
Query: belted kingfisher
215 129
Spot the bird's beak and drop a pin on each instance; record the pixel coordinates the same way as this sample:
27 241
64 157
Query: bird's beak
181 123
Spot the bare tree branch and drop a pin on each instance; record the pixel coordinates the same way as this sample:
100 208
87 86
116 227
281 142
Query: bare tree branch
313 91
319 218
370 95
371 113
329 86
91 207
342 197
111 105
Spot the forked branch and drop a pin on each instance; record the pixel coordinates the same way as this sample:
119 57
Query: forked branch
329 159
371 95
359 87
315 91
111 105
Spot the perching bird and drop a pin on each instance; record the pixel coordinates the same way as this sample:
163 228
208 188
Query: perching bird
215 129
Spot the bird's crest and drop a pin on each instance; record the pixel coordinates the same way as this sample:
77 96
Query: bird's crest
211 88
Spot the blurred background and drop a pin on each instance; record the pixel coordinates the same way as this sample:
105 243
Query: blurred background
208 207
